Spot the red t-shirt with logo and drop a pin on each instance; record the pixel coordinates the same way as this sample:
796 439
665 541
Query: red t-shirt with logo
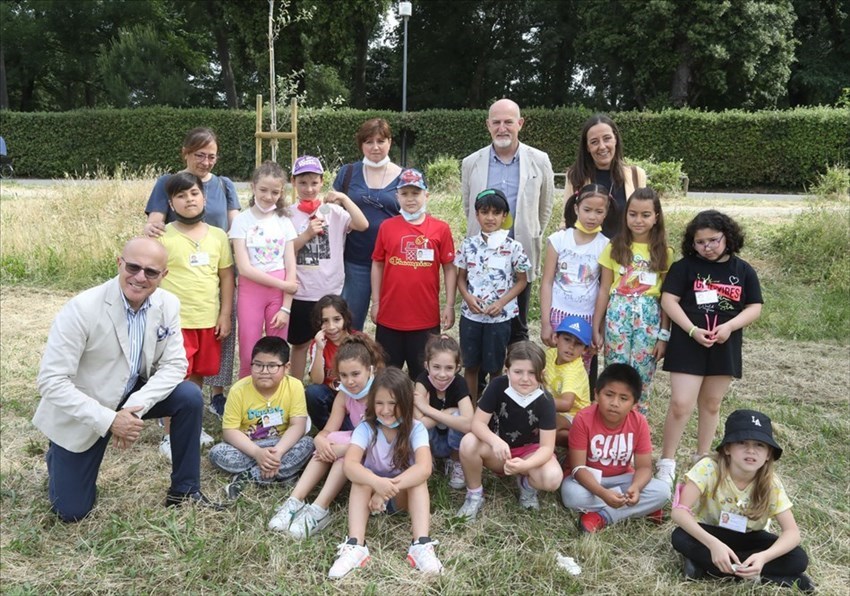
412 256
609 449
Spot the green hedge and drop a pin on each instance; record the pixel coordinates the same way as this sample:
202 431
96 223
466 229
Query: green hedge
733 149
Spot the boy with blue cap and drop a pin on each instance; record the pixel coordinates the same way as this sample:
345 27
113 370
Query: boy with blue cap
565 375
410 250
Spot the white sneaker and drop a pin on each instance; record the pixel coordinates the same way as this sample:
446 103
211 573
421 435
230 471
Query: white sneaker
206 440
527 496
165 447
285 514
665 471
456 477
471 506
308 522
423 558
349 557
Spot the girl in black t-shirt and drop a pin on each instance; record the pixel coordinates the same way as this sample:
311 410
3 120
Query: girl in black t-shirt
710 295
513 432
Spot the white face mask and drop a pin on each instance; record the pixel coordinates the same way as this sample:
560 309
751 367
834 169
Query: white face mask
376 164
520 399
265 210
413 216
496 239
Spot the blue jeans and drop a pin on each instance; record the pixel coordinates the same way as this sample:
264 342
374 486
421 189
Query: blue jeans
357 291
320 400
444 441
72 477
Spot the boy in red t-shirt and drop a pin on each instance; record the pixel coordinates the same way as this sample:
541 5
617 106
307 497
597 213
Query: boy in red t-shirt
604 438
410 250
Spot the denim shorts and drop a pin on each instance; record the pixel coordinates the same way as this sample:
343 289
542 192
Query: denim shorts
484 345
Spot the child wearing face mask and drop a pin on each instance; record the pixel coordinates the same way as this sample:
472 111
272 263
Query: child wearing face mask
410 250
322 224
262 238
357 359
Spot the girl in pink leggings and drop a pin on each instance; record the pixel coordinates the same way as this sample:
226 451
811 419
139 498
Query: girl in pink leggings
265 258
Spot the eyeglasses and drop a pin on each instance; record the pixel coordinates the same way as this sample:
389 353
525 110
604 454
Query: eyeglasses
133 269
710 243
211 157
260 367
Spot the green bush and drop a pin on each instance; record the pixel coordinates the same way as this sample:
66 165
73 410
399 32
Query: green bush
732 149
665 176
832 184
443 174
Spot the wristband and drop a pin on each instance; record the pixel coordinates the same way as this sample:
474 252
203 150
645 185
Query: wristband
664 335
691 332
286 310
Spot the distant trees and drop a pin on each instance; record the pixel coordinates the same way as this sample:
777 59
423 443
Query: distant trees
606 54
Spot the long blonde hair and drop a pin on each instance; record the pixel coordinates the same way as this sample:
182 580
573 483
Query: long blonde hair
759 504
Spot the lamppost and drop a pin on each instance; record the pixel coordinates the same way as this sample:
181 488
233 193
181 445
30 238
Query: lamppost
405 9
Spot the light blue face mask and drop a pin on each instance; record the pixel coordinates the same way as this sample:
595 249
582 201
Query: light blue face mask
413 216
362 393
395 424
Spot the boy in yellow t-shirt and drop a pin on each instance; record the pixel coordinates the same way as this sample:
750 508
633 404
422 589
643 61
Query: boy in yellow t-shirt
264 423
565 376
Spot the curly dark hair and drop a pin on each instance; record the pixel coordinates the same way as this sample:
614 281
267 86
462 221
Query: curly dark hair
713 220
337 303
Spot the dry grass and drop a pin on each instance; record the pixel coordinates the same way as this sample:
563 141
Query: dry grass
132 544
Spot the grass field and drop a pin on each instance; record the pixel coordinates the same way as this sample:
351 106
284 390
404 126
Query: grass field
57 240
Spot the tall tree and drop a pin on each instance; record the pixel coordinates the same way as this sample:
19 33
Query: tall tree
822 67
702 53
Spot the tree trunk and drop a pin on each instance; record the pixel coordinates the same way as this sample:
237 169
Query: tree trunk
681 77
4 93
223 48
361 47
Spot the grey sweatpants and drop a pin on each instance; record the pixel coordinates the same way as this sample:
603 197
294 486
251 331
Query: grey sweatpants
652 497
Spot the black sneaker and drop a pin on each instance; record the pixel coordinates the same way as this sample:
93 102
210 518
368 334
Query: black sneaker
195 498
217 404
803 582
692 570
236 485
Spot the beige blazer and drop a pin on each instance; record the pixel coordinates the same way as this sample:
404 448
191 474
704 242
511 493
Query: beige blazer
534 198
86 365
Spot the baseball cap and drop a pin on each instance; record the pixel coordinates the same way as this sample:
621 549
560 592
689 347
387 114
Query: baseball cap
577 327
411 177
307 164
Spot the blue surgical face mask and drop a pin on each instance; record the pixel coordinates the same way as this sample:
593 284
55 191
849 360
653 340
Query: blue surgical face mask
413 216
360 394
395 424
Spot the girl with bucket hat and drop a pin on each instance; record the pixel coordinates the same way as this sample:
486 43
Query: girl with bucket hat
724 509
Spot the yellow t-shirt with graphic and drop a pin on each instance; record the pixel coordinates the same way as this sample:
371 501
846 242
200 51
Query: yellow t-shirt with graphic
193 274
728 497
567 378
246 409
638 278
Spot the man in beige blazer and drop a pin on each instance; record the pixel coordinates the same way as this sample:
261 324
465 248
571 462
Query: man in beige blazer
114 357
524 174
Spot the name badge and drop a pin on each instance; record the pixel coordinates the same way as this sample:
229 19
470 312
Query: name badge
648 278
272 419
199 259
256 239
733 521
572 269
424 254
497 262
706 297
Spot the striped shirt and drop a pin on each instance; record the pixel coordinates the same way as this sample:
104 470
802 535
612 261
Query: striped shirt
136 324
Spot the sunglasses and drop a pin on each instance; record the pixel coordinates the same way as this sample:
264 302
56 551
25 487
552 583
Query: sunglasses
133 269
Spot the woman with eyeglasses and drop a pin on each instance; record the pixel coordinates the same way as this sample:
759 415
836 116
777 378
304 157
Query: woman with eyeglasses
710 295
371 185
600 160
200 153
